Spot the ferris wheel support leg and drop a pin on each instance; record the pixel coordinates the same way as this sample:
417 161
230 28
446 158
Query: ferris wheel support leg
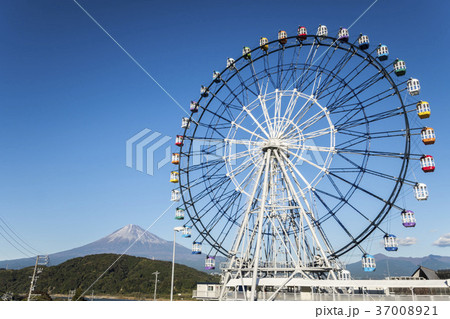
241 232
302 211
272 297
260 226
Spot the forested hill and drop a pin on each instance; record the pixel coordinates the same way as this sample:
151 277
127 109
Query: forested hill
130 276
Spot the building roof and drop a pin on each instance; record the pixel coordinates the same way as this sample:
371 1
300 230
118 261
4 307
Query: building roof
426 273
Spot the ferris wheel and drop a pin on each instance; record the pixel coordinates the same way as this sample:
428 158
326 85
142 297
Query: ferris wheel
296 153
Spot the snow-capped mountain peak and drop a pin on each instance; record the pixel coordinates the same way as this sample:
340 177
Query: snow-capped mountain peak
132 233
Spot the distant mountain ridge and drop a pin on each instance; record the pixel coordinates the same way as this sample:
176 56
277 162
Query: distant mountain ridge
398 266
151 246
147 245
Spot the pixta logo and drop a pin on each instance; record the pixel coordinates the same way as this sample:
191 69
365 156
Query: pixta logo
141 149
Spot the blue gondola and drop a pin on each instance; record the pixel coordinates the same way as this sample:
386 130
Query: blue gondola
187 232
196 248
382 52
368 263
390 242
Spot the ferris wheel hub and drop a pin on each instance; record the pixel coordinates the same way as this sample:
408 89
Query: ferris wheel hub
273 143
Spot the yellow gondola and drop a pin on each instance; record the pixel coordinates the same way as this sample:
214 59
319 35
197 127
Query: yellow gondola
423 109
263 43
174 177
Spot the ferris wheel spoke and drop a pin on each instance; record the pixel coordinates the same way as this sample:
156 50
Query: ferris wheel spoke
303 110
240 168
372 100
248 131
238 155
307 161
354 92
200 166
320 132
294 63
308 63
369 119
343 81
339 66
319 67
312 120
379 153
314 148
293 169
365 191
359 168
232 92
266 69
291 105
262 102
255 121
255 79
245 89
333 214
226 201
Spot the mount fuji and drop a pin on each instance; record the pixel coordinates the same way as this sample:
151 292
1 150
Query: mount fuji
147 245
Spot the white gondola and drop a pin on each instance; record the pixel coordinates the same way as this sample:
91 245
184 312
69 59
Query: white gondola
196 248
413 86
187 230
390 242
216 77
344 275
176 196
363 42
421 191
230 64
194 104
322 31
204 91
185 122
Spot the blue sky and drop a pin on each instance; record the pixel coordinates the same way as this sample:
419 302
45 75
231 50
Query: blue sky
70 98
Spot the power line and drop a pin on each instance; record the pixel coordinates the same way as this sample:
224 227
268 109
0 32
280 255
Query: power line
13 244
35 251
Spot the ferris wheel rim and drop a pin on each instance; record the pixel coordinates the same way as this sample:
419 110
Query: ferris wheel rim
403 170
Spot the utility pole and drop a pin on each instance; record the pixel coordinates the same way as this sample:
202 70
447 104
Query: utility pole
41 261
70 295
156 273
